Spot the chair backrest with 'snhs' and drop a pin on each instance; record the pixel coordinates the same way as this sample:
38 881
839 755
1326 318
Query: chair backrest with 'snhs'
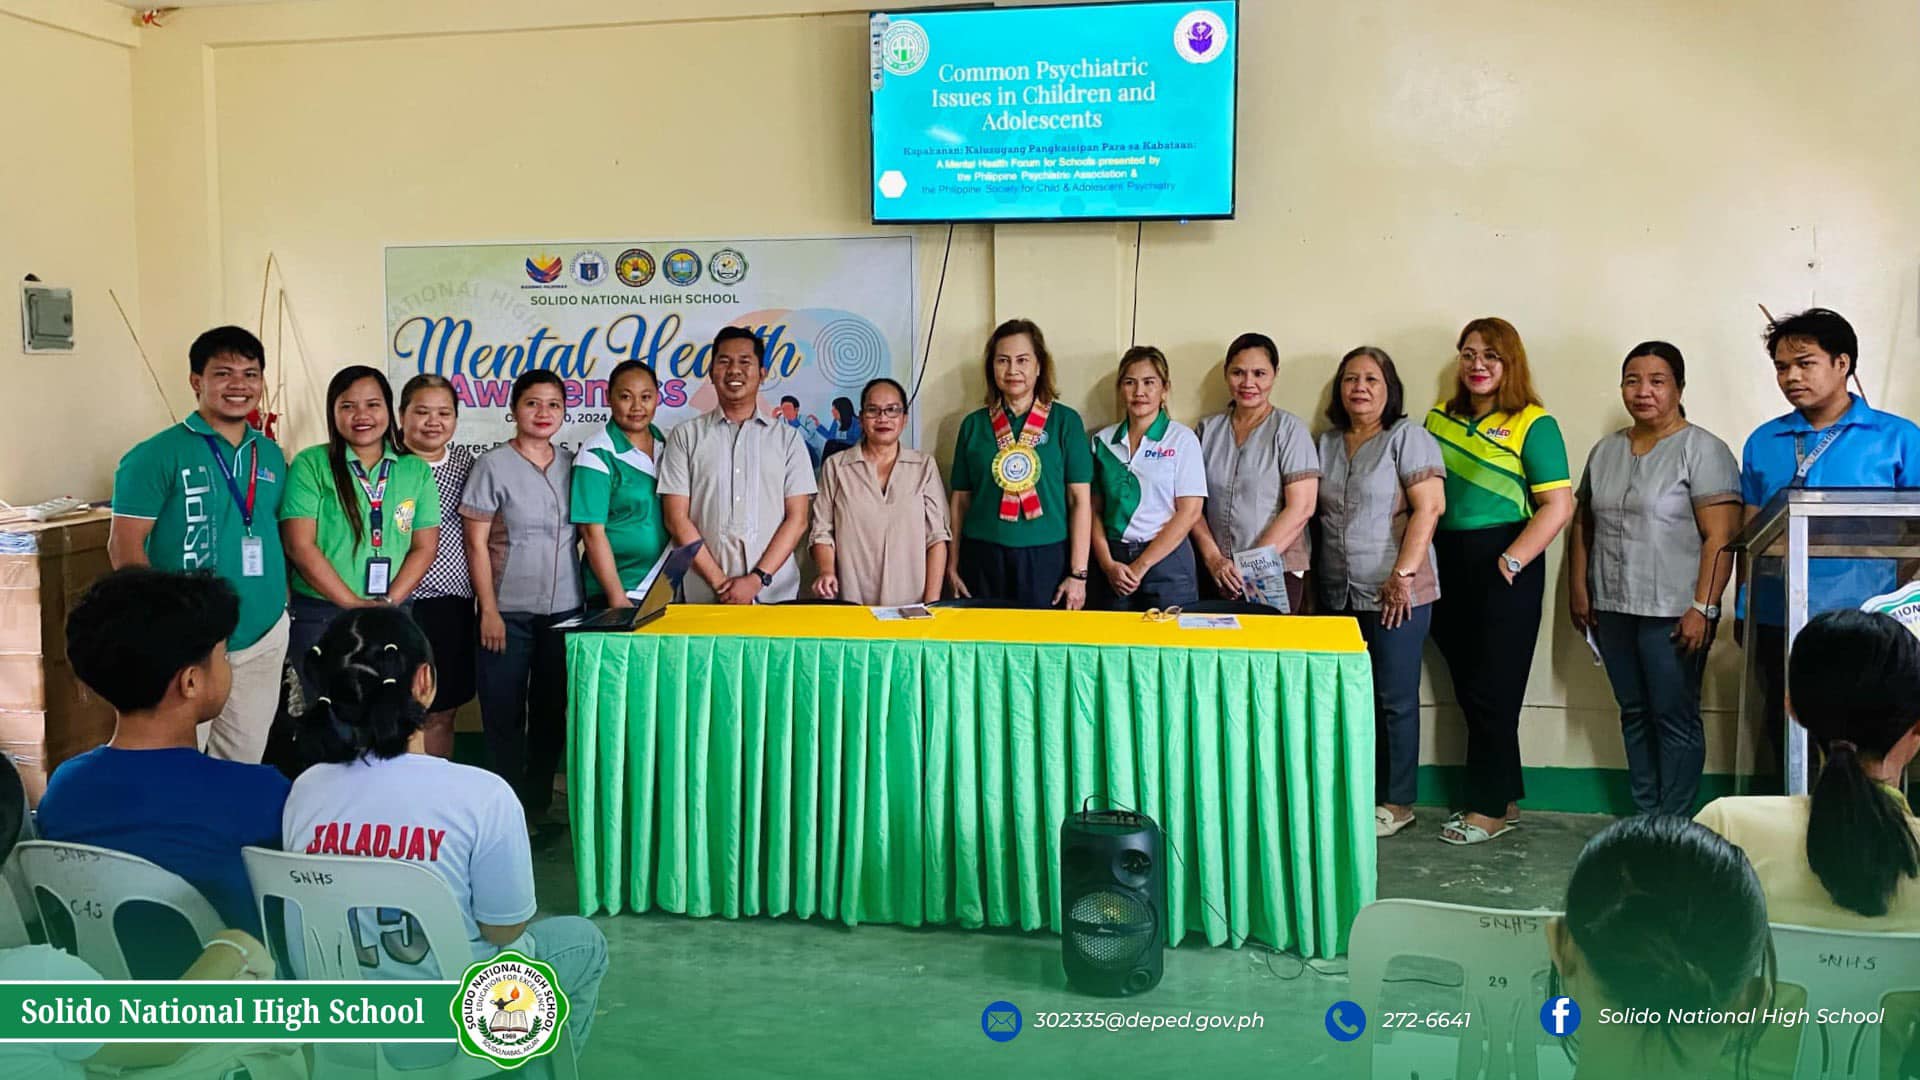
1851 976
1441 962
116 906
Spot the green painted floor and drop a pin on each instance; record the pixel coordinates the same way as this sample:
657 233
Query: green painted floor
783 998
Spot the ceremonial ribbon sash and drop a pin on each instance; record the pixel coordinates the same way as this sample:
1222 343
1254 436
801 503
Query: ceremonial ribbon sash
1016 468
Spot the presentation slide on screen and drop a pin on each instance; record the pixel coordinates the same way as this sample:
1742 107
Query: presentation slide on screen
1103 111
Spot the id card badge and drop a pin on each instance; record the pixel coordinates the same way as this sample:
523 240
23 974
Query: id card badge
379 577
253 557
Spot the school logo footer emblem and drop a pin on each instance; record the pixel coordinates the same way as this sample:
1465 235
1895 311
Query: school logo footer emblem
509 1010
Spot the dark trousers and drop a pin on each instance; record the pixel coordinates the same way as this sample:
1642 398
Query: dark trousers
308 618
523 705
1171 582
1015 577
1658 688
1486 631
1395 655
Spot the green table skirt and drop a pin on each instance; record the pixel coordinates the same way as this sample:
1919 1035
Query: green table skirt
924 782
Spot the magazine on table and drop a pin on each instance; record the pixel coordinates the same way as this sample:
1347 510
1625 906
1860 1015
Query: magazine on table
1264 573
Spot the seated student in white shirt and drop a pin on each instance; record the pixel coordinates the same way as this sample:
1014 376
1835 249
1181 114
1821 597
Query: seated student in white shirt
377 793
230 955
1846 856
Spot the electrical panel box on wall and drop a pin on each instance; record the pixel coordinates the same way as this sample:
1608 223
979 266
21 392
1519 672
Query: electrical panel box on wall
46 318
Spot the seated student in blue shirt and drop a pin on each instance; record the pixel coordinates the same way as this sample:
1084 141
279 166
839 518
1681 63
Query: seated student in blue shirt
154 645
1831 439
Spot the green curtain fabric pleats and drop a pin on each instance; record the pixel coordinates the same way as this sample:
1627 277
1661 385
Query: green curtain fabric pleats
924 782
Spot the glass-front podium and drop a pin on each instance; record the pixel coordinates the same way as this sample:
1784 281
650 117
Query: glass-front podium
1780 548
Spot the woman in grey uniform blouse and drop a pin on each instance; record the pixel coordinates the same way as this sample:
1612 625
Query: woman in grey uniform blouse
1262 475
1382 491
1657 503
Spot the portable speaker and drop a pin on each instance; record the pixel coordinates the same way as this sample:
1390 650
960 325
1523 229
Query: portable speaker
1113 908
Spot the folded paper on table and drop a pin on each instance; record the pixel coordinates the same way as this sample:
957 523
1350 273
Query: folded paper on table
1265 574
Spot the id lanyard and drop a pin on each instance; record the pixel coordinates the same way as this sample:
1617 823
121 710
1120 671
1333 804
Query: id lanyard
1805 458
233 483
376 492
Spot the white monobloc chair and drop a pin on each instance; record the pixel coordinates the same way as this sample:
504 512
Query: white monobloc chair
93 883
16 896
326 889
1503 956
13 922
1844 970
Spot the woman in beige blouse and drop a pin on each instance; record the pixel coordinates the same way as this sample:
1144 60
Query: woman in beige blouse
880 534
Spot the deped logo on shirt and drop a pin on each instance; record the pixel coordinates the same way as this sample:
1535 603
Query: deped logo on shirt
403 516
1163 453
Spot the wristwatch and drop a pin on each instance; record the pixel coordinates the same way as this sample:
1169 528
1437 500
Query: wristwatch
766 579
1711 611
1514 565
1077 575
1404 573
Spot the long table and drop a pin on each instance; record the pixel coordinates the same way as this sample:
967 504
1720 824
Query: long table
815 761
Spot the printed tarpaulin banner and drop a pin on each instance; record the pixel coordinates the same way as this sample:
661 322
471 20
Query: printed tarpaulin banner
833 314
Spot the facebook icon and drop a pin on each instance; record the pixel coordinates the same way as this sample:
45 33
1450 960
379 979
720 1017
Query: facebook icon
1560 1017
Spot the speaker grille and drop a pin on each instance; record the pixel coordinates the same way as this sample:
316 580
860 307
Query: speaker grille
1110 929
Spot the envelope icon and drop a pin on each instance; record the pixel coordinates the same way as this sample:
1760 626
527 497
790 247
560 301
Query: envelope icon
1000 1021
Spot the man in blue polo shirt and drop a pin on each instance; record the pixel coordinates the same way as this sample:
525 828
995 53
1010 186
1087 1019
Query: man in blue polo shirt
1831 439
205 495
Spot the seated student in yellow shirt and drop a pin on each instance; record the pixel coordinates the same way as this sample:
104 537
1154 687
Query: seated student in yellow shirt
1846 856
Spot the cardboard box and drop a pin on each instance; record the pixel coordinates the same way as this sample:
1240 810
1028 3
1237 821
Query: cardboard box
37 590
46 716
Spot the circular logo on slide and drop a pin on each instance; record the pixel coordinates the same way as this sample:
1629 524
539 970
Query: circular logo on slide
904 47
1200 37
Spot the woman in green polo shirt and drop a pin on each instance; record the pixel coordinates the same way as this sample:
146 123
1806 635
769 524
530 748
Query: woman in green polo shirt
614 500
1149 488
1508 495
360 520
1022 472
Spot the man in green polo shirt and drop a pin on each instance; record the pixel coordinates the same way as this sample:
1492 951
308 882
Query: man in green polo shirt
205 495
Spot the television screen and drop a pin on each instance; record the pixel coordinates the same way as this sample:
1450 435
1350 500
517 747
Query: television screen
1075 112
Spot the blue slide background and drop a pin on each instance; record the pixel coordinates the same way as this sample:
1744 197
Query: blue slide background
1193 104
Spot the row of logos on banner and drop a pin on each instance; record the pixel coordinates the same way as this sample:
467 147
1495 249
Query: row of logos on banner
635 267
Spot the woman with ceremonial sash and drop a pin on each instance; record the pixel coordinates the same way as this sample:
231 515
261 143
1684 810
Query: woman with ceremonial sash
1149 487
1024 540
360 521
1508 495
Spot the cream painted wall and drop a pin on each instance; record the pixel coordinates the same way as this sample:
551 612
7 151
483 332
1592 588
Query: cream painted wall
67 215
1598 175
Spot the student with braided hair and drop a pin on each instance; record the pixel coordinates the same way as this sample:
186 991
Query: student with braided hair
377 793
1662 916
